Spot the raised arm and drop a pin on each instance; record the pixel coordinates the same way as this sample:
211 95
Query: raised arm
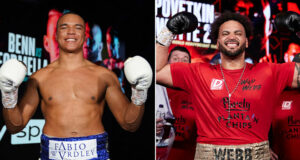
163 73
180 23
17 115
129 114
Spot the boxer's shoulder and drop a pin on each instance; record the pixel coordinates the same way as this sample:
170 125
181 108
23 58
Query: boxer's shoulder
99 70
95 68
106 75
103 74
42 74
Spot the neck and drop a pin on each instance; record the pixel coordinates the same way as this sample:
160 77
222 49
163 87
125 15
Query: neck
233 63
71 60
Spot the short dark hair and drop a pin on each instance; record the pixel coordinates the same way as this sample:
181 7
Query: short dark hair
227 16
66 13
179 48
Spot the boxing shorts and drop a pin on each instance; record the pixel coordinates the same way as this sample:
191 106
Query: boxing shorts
94 147
254 151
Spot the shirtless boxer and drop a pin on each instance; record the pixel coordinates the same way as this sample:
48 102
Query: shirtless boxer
72 92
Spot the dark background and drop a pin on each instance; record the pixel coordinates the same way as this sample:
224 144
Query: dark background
135 22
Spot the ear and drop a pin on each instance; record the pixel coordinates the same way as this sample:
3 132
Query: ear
46 43
247 43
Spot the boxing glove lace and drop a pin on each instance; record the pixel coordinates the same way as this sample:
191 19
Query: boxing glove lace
12 73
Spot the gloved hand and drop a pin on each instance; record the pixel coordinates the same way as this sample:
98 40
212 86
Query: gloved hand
139 74
181 22
288 21
12 73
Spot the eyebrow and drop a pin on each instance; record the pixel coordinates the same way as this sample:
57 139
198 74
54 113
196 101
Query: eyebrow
186 56
226 31
80 25
238 31
61 25
65 24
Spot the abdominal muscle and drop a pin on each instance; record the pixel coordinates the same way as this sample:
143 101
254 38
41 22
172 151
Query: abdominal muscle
73 120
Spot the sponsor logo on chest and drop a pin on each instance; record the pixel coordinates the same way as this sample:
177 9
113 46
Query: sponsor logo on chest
216 84
286 105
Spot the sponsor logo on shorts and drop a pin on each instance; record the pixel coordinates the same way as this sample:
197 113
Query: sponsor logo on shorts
286 105
216 84
71 150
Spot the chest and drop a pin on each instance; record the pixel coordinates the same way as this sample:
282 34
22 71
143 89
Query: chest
253 92
64 87
250 85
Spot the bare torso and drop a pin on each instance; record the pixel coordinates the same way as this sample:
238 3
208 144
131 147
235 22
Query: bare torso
72 91
72 101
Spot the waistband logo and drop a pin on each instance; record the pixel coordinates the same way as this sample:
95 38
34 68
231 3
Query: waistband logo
230 153
71 150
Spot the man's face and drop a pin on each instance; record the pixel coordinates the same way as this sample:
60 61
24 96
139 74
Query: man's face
232 39
71 33
179 56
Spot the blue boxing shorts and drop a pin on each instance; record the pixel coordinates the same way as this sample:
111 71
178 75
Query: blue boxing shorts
94 147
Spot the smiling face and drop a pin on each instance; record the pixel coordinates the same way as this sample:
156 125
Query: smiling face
70 33
232 39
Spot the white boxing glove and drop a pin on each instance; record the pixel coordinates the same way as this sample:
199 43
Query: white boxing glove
139 74
12 73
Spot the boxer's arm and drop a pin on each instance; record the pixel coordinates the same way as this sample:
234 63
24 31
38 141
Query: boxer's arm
127 114
16 118
163 72
296 78
181 22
